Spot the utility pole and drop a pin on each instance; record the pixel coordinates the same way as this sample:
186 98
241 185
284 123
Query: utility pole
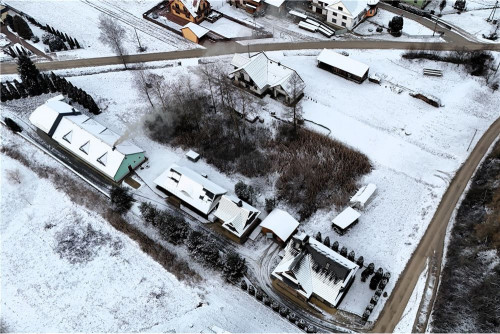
138 41
492 14
435 25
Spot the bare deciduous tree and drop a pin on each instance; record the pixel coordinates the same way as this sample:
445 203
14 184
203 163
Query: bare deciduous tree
143 84
296 88
113 35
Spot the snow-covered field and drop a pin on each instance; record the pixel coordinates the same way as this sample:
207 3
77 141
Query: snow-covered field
412 31
117 289
80 19
415 148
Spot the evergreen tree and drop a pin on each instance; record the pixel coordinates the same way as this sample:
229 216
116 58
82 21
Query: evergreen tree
364 274
148 211
371 268
335 246
13 91
93 107
374 300
251 290
360 261
234 267
44 87
19 51
343 251
71 43
20 88
121 200
77 44
48 28
351 256
243 285
29 75
22 28
50 84
326 242
318 236
9 21
6 95
11 52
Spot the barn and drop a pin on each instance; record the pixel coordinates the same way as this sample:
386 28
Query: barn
343 66
92 143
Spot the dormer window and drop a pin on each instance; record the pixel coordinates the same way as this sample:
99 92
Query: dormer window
85 147
103 159
67 137
341 9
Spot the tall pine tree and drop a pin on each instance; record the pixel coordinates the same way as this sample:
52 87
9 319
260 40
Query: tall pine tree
20 88
5 96
13 91
29 75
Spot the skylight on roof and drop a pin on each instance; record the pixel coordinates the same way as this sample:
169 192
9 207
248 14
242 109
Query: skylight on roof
103 159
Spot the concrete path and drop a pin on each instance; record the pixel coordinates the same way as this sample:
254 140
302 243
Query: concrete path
16 39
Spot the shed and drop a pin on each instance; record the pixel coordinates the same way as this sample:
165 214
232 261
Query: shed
345 219
193 156
281 224
363 196
194 32
343 66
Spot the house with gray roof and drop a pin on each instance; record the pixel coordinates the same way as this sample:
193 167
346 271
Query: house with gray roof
314 272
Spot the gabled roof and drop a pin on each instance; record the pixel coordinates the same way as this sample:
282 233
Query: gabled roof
281 223
191 187
354 7
364 194
344 63
199 31
275 3
192 6
311 267
346 218
234 217
268 73
82 136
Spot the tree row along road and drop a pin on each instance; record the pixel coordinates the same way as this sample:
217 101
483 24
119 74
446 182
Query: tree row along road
228 48
431 246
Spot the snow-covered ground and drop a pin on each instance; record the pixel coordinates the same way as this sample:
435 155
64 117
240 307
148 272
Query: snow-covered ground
412 31
228 28
81 20
117 289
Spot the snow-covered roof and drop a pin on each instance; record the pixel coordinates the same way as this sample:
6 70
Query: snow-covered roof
344 63
346 218
281 223
363 195
268 73
82 136
315 268
192 6
235 218
192 155
298 14
275 3
191 187
355 7
199 31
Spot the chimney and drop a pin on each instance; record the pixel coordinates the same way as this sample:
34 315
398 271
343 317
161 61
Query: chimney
114 147
240 203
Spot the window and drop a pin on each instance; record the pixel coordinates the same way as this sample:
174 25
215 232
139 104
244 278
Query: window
175 176
68 136
85 147
334 14
103 159
177 5
344 17
341 9
318 10
343 24
334 21
188 15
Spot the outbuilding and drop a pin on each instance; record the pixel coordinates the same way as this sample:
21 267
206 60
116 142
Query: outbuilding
345 219
194 32
363 196
343 66
279 225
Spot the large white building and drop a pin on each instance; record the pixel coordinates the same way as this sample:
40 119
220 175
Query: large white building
314 272
94 144
345 13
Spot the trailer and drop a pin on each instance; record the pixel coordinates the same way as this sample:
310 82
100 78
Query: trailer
433 72
306 26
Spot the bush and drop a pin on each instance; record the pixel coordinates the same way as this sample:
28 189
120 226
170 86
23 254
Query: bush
251 290
318 236
244 192
22 28
343 251
360 261
284 311
233 267
335 246
326 242
379 292
121 200
35 39
56 43
351 256
243 285
275 306
301 324
374 300
267 301
366 315
382 283
259 295
13 126
270 204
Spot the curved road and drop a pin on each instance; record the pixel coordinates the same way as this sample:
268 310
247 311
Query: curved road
431 246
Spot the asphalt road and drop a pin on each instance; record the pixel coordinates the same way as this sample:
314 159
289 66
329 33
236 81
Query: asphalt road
431 245
229 48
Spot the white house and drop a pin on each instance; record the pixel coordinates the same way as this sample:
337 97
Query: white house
237 217
280 224
345 13
93 143
261 75
311 270
195 192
